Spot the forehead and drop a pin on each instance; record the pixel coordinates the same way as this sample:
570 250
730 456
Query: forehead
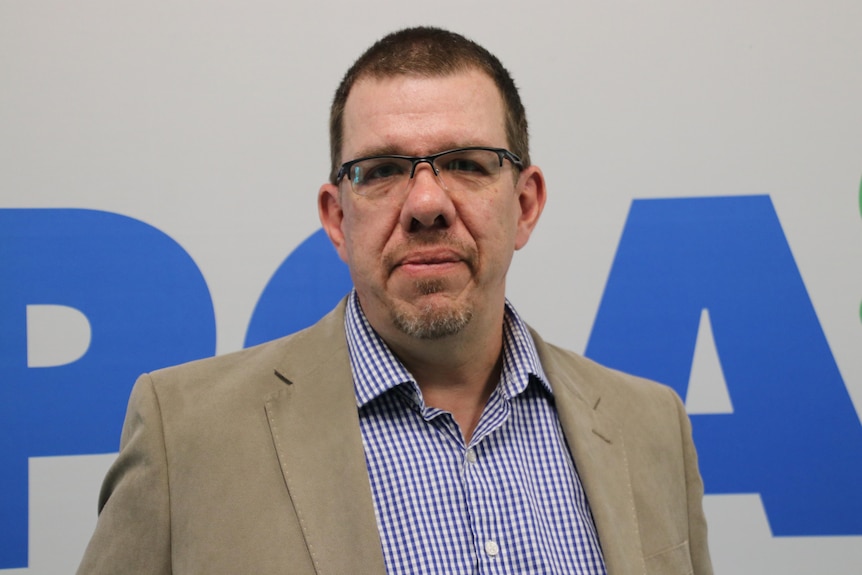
419 115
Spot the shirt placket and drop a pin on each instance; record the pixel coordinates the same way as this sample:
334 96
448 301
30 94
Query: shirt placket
481 498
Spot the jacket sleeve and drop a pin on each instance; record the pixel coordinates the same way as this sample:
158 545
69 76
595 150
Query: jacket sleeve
133 532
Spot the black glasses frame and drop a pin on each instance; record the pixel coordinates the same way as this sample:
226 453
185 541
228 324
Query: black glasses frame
502 153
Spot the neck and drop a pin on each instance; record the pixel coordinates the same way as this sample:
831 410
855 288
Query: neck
464 395
457 373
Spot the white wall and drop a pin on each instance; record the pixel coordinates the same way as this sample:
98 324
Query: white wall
207 120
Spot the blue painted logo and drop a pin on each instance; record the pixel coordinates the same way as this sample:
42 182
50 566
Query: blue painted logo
794 435
148 307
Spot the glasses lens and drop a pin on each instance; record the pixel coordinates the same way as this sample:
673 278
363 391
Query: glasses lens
378 175
469 169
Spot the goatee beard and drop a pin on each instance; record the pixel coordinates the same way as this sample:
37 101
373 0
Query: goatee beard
432 321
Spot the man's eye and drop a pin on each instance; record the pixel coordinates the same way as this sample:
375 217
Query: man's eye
464 165
381 172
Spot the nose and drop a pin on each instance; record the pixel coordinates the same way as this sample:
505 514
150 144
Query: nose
427 204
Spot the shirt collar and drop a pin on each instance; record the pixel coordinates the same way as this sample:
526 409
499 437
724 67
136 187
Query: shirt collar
376 370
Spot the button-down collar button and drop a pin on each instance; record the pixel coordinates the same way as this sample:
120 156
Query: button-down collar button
471 455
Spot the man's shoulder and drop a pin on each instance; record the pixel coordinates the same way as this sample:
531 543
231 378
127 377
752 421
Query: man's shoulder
262 365
594 382
226 365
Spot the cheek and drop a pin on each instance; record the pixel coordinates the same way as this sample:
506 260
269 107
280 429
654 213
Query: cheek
366 236
492 223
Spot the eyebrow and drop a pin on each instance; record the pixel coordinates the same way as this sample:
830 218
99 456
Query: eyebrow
380 151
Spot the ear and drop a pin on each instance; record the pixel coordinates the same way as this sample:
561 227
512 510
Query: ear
531 198
332 217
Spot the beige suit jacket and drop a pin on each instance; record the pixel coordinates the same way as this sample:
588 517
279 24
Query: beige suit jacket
253 463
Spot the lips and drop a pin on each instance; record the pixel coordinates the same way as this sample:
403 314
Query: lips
428 260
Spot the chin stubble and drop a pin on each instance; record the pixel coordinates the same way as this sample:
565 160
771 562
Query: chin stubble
432 321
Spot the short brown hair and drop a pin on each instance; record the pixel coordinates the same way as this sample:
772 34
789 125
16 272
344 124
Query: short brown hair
429 52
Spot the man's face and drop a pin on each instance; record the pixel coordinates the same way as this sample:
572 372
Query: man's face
428 262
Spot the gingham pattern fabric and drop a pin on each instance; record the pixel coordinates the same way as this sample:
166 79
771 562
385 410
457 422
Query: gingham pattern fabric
509 502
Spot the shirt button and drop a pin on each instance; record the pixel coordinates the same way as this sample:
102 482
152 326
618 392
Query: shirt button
471 456
491 548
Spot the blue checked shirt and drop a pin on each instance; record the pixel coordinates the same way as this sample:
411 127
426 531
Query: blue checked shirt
509 502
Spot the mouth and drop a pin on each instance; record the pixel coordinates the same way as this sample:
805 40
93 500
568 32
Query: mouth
431 257
429 262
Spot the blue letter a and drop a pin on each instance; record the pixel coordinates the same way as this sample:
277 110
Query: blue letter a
793 436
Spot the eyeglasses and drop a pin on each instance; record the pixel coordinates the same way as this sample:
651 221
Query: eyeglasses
462 169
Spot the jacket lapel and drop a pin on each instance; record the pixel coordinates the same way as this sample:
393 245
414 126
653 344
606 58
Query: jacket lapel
599 452
315 427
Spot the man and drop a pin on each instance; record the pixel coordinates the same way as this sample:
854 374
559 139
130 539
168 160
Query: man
420 427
